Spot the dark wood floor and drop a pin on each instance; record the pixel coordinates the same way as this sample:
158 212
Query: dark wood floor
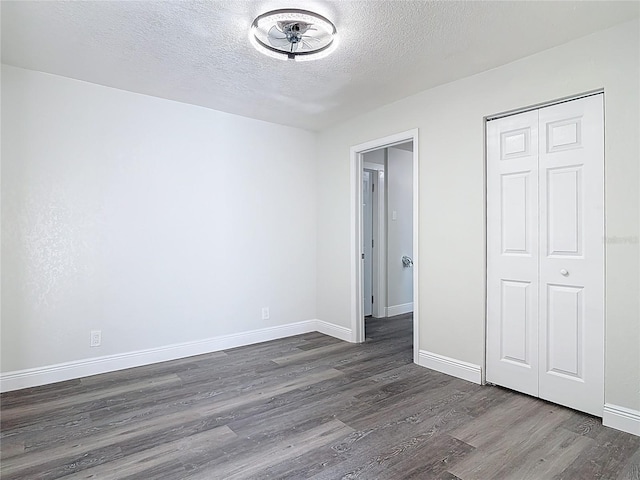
308 406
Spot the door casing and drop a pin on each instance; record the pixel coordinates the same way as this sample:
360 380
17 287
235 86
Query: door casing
356 154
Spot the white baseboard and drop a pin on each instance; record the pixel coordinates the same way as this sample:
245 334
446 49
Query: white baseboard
92 366
333 330
394 310
621 418
450 366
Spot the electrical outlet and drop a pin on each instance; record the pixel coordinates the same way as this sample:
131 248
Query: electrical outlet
96 338
265 313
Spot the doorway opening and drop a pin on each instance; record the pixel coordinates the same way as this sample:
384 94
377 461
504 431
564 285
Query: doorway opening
384 219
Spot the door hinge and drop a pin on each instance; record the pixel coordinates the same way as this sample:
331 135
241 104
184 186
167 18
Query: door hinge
371 298
372 243
373 187
363 256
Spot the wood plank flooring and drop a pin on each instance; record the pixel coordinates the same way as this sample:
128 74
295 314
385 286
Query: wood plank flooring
304 407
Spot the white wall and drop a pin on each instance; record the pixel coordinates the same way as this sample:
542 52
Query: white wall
399 178
451 210
153 221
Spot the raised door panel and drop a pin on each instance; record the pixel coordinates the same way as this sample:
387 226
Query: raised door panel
564 199
516 142
516 215
515 322
565 329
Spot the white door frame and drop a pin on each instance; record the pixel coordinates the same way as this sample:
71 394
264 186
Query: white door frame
357 151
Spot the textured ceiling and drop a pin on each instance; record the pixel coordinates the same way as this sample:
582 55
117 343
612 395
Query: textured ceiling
198 51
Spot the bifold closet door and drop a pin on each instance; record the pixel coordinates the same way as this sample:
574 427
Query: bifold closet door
545 260
571 181
512 252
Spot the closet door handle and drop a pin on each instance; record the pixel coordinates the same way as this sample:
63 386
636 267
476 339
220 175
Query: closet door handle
564 272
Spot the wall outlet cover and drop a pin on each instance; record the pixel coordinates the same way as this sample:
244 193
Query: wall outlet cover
96 338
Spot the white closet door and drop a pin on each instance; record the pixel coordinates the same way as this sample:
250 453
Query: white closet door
512 256
571 173
545 253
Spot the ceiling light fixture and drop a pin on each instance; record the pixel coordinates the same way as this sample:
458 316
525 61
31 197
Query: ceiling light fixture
292 34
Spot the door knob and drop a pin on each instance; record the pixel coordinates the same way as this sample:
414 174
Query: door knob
564 272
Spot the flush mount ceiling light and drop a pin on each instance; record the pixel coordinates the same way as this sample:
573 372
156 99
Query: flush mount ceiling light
293 34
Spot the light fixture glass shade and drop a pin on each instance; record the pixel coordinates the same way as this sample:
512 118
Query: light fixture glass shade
293 34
